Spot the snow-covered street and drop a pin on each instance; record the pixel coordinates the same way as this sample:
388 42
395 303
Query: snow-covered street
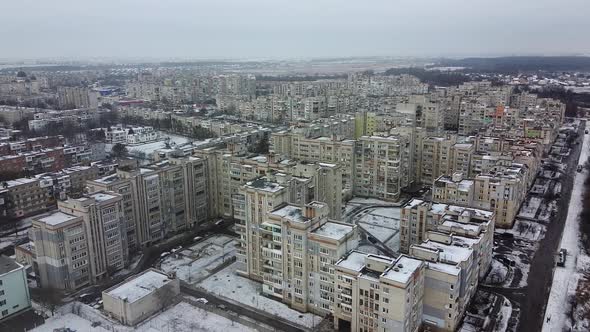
565 278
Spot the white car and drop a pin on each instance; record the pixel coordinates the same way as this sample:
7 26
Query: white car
202 300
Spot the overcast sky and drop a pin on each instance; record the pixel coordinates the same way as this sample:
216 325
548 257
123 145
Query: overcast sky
291 28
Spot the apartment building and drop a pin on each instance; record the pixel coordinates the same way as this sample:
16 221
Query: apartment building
435 157
251 204
299 255
102 214
381 167
76 97
420 220
286 145
160 199
14 288
501 190
450 281
63 252
378 293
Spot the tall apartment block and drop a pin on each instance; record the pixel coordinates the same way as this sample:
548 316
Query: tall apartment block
80 243
160 199
473 228
379 293
381 167
102 213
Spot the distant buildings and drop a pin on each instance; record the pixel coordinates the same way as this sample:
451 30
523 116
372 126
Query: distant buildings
77 97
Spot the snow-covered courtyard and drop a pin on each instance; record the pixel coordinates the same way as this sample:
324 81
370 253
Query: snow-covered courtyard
198 261
248 292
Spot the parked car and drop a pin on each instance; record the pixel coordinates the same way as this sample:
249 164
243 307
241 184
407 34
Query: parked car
562 257
164 254
176 249
219 222
197 238
579 168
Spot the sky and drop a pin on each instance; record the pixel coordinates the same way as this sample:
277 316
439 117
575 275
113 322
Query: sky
246 29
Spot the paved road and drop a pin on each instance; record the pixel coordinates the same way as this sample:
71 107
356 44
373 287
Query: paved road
261 316
536 293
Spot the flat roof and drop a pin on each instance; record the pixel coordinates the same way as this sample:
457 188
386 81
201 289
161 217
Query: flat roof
333 230
140 286
8 265
289 212
354 261
102 197
56 218
402 270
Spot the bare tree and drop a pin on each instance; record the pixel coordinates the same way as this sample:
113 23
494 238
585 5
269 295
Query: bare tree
48 298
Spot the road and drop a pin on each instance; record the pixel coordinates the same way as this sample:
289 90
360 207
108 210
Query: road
536 293
566 277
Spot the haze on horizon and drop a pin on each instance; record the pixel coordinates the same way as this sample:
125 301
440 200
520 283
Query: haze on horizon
236 29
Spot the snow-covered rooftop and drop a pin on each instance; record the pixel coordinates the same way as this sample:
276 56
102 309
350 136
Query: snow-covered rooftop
333 230
139 286
56 218
402 270
354 261
102 197
289 212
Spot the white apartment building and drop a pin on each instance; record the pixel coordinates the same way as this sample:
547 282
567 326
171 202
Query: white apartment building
14 288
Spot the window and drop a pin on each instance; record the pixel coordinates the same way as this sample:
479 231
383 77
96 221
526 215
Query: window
1 292
4 312
3 302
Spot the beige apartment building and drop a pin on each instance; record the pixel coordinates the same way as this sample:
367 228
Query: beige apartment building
474 228
381 167
102 213
160 199
286 145
63 252
378 293
450 282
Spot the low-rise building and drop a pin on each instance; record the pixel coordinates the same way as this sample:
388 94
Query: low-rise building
140 296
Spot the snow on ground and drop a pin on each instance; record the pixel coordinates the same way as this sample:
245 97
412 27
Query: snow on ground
547 210
566 277
184 317
248 292
382 224
503 316
195 263
530 207
497 274
71 321
526 229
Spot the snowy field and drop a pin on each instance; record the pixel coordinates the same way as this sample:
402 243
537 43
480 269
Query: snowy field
183 317
230 285
195 263
565 278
